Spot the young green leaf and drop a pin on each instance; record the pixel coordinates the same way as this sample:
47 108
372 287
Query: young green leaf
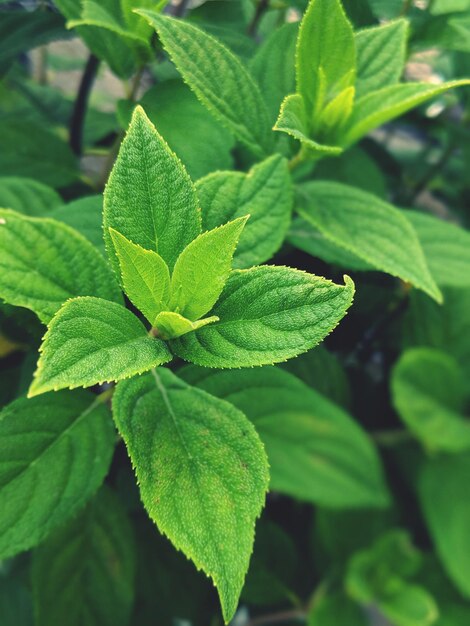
267 314
202 269
56 451
84 573
145 276
90 341
381 54
326 54
218 79
370 228
27 196
429 394
316 451
265 192
98 15
43 263
202 473
149 197
171 325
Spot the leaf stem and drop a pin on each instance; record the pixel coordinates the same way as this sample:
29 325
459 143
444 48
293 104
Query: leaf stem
261 8
391 437
77 118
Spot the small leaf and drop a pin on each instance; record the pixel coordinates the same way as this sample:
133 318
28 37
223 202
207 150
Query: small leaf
56 451
145 276
202 473
84 573
90 341
267 314
316 451
202 269
265 193
171 325
43 263
218 79
149 197
370 228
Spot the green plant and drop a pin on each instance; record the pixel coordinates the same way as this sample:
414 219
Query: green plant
199 359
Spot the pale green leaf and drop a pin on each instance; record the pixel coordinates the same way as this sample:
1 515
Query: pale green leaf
316 451
43 263
56 451
145 276
218 79
267 314
149 197
90 341
202 269
370 228
96 14
429 395
381 52
84 573
202 473
86 216
334 116
170 325
326 54
383 105
27 196
440 7
265 193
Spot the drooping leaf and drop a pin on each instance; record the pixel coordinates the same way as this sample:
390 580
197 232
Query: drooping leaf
202 473
145 276
265 193
267 314
202 269
27 196
84 573
381 54
370 228
86 216
316 452
44 263
170 325
149 197
429 395
56 451
218 79
90 341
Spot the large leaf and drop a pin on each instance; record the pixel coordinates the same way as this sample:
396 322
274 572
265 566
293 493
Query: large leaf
443 490
27 196
84 573
381 54
218 79
56 451
267 314
90 341
265 193
429 395
149 197
368 227
316 451
202 473
44 263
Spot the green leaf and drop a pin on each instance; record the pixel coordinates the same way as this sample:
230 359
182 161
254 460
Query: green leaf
267 314
265 192
27 196
90 341
383 105
149 197
84 573
316 451
202 270
171 325
336 609
56 451
370 228
440 7
97 14
218 79
326 54
293 120
446 247
145 276
381 55
202 473
44 263
86 216
443 491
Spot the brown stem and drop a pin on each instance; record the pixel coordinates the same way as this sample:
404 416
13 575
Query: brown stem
79 109
261 8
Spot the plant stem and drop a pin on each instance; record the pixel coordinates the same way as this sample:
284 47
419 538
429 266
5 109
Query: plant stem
261 7
278 618
391 437
79 110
